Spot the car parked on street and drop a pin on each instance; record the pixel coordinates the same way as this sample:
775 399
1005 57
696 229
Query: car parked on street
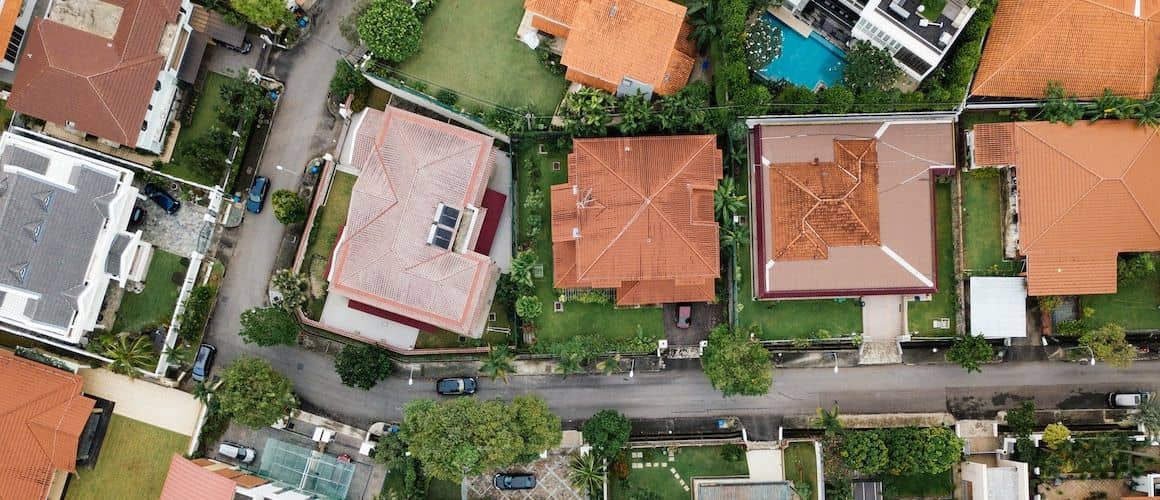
162 198
514 481
257 196
1127 399
203 362
456 386
243 454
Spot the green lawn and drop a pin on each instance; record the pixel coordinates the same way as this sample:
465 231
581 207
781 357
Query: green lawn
801 466
330 218
942 305
470 47
155 304
577 318
982 222
920 485
133 463
691 462
205 116
439 489
1136 306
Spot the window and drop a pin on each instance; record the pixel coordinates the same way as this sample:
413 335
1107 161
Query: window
157 86
145 125
878 37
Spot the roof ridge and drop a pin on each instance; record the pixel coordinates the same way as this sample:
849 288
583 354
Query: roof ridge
1132 193
684 240
610 169
1099 180
1018 50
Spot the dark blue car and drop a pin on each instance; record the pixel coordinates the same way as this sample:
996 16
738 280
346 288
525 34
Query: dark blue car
203 362
257 196
162 198
456 386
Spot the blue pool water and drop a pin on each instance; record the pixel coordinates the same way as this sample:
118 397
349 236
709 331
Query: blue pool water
804 61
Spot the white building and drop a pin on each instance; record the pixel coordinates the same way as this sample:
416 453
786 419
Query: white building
63 238
1007 480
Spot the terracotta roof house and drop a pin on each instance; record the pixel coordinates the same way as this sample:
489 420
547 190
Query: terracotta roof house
42 417
188 481
410 248
619 46
1086 45
15 15
63 237
843 206
106 68
1072 181
636 215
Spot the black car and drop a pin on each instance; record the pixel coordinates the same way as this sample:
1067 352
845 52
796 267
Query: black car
456 386
162 198
244 49
203 362
136 217
514 481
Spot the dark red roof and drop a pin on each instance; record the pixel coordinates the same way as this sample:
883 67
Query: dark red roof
493 201
397 318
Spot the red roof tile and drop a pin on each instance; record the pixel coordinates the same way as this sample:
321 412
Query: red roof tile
189 481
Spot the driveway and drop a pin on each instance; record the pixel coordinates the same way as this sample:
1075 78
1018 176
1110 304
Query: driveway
704 318
551 481
176 233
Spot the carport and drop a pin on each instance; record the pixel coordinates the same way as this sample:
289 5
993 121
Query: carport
305 469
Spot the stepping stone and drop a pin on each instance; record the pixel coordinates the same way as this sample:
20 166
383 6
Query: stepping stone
686 487
637 465
637 454
673 470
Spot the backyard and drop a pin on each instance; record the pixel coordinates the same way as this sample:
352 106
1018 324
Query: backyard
1135 306
921 315
801 466
983 222
470 47
690 462
329 220
154 305
614 325
204 117
919 485
133 462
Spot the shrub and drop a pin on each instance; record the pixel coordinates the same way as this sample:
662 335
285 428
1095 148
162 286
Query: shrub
529 307
796 99
1054 434
289 208
390 30
196 313
424 8
447 97
835 99
347 80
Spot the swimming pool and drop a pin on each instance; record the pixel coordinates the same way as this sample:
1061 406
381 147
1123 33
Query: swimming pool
804 61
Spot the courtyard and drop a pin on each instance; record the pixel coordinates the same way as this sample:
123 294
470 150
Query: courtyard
669 473
133 463
154 305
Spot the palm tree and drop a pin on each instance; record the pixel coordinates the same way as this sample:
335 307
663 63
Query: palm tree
734 234
828 420
498 363
202 392
1109 105
727 202
609 365
569 363
127 355
1149 416
586 474
180 354
705 21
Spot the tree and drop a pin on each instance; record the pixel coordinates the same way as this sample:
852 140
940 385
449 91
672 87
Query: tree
752 100
538 426
362 365
835 99
1149 415
390 30
295 289
498 363
207 152
1109 345
736 363
727 201
869 68
254 394
289 208
569 363
607 432
797 99
267 326
930 450
733 234
522 267
1021 419
636 114
241 100
268 13
969 351
865 452
347 80
1056 433
586 475
762 44
529 307
180 354
828 420
1059 106
128 354
586 112
705 22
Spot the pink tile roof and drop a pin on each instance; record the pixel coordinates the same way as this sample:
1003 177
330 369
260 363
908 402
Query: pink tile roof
409 164
190 481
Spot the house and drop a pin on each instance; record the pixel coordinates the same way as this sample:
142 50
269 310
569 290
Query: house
843 206
1085 45
736 488
63 237
1070 182
286 472
618 46
14 18
421 221
43 416
917 40
105 68
636 218
1006 480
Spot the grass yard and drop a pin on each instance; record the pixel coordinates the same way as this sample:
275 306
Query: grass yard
801 466
921 315
693 461
982 222
133 463
205 116
327 222
439 489
470 47
1136 306
920 485
577 318
155 304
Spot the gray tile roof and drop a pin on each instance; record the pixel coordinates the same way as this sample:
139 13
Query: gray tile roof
113 261
25 159
48 234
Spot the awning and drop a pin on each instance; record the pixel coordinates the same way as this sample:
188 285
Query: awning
191 62
213 24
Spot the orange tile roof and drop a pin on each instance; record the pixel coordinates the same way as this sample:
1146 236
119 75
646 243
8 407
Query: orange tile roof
189 481
1087 45
1072 182
637 214
42 415
609 40
9 13
409 164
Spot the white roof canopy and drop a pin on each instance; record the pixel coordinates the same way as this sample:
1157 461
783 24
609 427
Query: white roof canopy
998 307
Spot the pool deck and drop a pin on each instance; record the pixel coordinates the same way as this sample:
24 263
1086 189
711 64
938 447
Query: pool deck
787 17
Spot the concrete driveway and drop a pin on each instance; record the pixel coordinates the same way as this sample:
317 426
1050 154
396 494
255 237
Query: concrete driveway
704 318
169 409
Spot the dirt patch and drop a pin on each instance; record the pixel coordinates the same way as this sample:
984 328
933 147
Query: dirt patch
91 16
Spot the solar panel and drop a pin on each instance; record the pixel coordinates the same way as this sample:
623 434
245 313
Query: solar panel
449 216
442 238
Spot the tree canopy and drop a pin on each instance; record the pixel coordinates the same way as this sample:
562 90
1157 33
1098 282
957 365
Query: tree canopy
1110 345
267 326
362 365
253 394
969 351
289 208
391 30
869 68
607 432
266 13
737 364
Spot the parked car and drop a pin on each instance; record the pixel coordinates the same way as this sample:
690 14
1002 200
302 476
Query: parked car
243 454
162 198
203 362
244 49
514 481
136 217
257 196
1127 399
456 386
684 316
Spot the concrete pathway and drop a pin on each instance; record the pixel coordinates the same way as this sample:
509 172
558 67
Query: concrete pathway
169 409
883 320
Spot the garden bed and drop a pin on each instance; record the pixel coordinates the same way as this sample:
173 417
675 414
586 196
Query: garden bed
918 486
983 222
690 462
154 305
202 119
133 463
921 315
324 234
801 466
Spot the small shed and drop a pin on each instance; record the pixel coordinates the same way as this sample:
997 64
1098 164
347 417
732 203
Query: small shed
213 24
998 306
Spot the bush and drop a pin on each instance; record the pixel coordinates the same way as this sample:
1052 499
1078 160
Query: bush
529 307
447 97
835 100
424 8
390 30
289 208
347 80
797 100
1055 434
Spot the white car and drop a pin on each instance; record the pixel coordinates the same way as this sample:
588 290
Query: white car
243 454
